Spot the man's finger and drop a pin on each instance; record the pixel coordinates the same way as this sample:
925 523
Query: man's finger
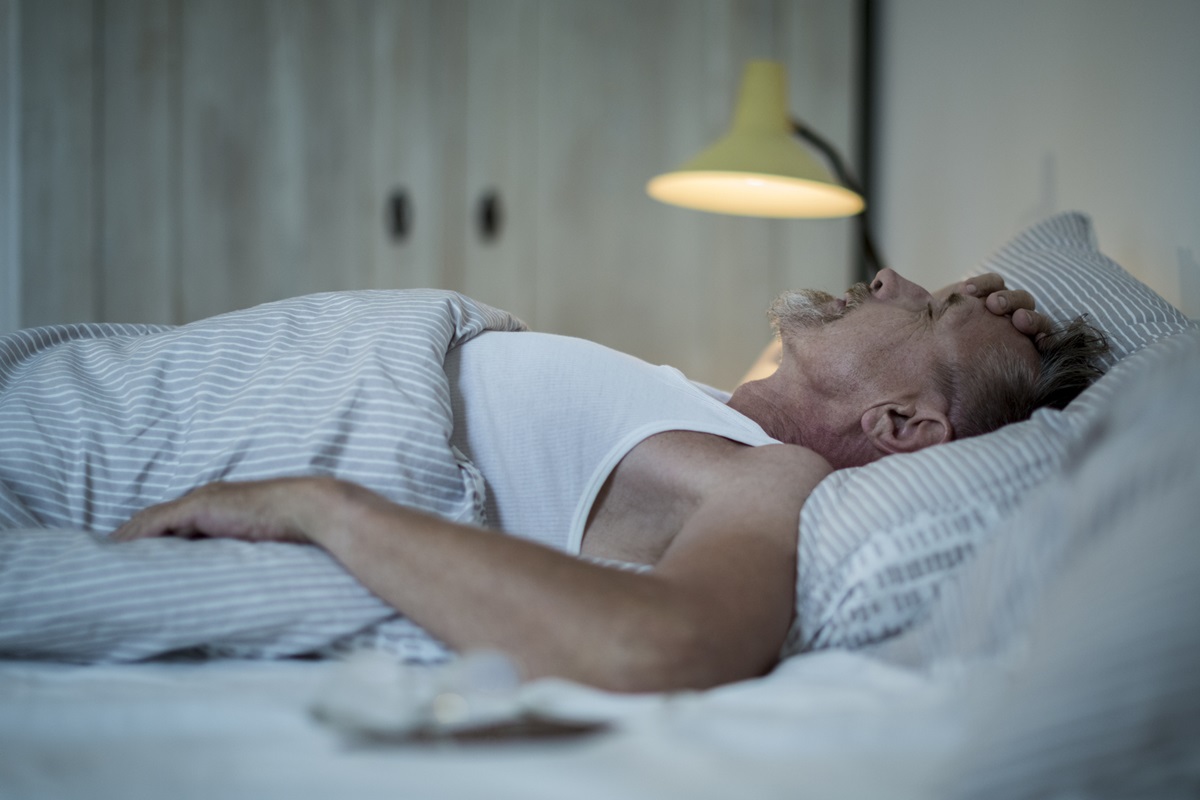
983 285
135 528
150 521
1009 301
1032 323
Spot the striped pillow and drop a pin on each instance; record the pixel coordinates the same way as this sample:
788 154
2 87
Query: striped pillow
990 602
1104 699
876 543
1059 262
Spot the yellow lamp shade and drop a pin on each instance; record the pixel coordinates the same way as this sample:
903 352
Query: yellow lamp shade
758 168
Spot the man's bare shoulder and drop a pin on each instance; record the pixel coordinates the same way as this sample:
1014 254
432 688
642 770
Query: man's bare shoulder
678 479
719 466
780 474
791 458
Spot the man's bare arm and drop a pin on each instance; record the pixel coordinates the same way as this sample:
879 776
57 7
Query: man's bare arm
715 609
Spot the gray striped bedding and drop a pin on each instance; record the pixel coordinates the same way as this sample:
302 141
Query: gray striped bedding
347 384
1102 696
878 543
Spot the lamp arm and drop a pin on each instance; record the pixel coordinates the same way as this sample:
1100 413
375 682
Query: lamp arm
827 150
843 175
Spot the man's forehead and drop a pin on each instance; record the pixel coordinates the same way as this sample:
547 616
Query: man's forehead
974 329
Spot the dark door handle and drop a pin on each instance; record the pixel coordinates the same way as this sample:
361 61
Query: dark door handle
489 216
399 215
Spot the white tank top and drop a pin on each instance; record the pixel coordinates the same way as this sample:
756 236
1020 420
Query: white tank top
546 418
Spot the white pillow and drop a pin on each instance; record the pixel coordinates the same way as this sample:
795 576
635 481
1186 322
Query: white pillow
877 542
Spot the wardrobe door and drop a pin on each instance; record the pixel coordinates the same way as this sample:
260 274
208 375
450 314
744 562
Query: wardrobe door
314 152
57 163
502 159
180 158
137 201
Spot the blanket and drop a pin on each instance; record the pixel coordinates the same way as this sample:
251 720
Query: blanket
102 420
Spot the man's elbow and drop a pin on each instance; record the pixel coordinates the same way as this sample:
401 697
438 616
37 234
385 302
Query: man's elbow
680 651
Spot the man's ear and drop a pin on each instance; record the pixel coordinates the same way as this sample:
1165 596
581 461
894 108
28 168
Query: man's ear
905 428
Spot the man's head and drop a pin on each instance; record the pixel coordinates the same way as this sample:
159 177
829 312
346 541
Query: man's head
892 368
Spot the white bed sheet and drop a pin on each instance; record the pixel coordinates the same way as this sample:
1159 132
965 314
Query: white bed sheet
833 724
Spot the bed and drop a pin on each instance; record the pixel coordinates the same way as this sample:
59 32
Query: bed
998 617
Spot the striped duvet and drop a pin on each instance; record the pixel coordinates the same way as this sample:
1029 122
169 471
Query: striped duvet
98 421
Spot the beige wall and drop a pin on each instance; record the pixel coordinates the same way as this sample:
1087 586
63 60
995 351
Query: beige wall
995 114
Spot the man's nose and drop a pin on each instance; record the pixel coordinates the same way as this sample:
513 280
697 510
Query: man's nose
891 285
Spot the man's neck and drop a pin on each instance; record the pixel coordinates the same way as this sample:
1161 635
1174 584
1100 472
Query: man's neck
777 414
782 407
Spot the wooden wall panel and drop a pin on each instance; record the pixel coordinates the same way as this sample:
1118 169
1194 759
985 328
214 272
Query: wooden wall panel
10 166
138 198
226 180
313 141
271 143
58 163
187 158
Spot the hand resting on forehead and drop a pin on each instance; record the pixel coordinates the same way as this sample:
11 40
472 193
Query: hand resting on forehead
1017 305
890 367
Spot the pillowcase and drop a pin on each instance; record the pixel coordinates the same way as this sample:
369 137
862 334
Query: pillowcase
994 599
1105 698
1059 262
876 543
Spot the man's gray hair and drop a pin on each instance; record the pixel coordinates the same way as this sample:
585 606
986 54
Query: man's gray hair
1001 387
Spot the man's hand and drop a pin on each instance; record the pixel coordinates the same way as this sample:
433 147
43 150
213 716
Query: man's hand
1017 304
279 510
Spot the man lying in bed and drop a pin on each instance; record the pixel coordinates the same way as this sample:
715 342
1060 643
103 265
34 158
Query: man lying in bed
663 476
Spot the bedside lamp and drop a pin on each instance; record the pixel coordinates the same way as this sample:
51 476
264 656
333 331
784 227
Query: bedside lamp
759 169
